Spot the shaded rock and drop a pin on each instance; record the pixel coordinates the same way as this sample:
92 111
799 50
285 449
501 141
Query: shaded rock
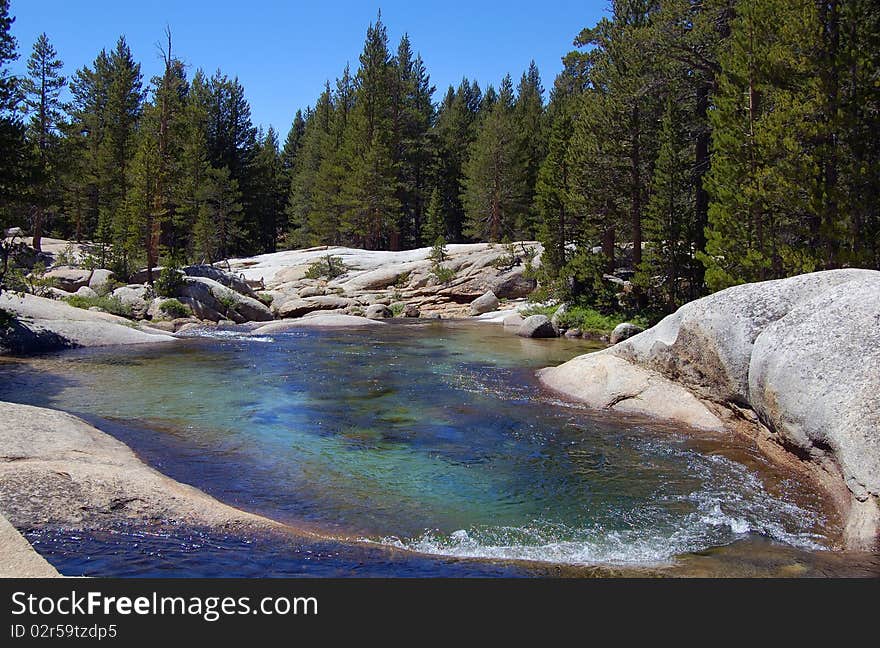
163 326
47 325
137 298
212 300
378 311
484 304
537 326
513 285
411 310
69 279
228 279
624 331
100 279
573 333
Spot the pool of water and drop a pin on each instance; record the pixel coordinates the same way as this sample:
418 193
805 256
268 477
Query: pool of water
433 437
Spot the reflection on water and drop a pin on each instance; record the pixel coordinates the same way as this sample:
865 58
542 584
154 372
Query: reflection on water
432 437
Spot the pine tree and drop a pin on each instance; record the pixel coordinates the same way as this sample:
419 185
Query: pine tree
217 229
271 194
293 142
495 174
453 133
669 266
558 225
194 167
370 187
413 114
532 141
117 119
301 202
42 90
13 152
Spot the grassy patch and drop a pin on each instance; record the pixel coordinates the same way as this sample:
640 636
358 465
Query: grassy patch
6 319
107 304
588 320
174 308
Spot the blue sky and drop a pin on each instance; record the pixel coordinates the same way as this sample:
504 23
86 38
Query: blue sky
282 51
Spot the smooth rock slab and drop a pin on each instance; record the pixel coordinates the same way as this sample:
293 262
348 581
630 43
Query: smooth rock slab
484 304
604 381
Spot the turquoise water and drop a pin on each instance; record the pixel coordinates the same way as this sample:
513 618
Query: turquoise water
432 436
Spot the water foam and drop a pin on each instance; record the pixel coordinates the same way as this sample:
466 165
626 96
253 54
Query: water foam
731 504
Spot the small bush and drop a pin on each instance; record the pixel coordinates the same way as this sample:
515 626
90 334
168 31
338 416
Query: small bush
6 319
587 319
68 257
397 309
38 283
107 303
169 282
329 267
265 298
173 308
443 274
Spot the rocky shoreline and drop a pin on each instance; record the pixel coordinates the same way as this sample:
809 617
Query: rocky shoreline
791 363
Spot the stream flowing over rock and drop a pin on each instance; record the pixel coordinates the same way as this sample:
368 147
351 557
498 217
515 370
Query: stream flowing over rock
802 353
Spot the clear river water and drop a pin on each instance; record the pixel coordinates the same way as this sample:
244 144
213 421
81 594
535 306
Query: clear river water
430 437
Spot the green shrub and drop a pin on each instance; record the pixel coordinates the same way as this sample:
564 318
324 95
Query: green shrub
438 251
329 267
106 303
265 298
173 308
169 282
397 309
443 274
6 319
587 319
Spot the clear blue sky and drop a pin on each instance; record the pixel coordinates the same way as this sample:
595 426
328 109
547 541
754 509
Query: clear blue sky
282 51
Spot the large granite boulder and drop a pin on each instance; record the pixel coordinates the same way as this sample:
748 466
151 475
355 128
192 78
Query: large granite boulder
69 279
101 279
484 304
802 353
49 325
624 331
297 307
213 301
228 279
537 326
378 311
136 298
